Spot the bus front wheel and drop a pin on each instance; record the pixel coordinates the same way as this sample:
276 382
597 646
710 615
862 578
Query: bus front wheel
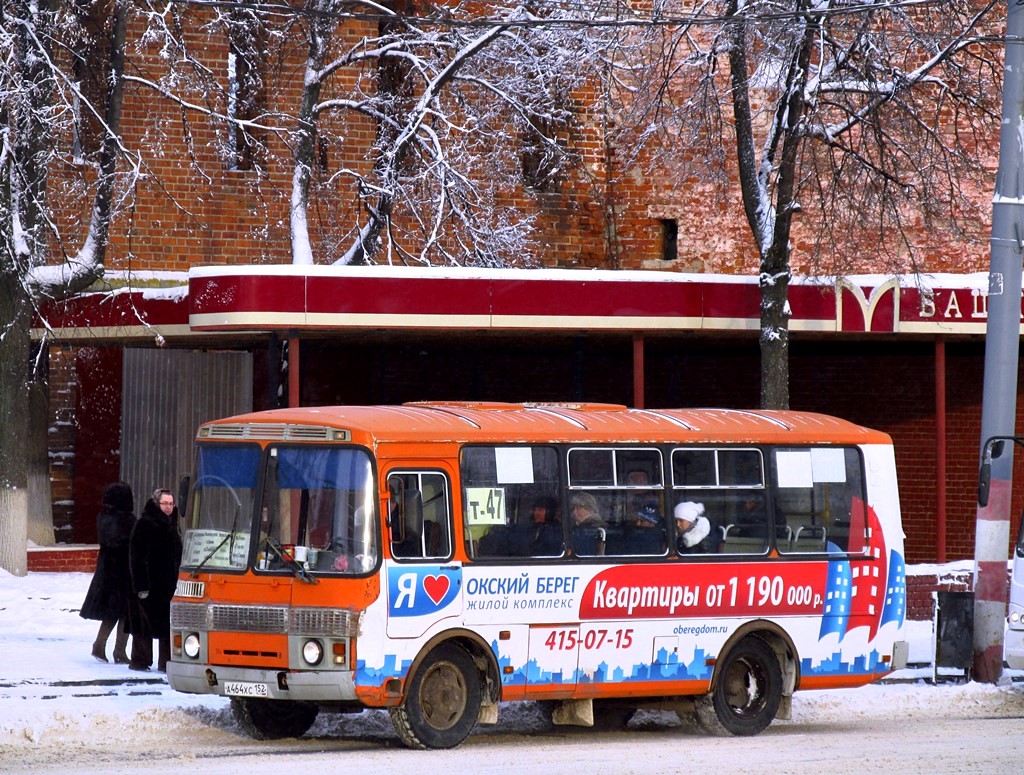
748 692
273 719
442 703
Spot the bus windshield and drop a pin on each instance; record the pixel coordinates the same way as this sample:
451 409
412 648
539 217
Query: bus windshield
218 531
316 510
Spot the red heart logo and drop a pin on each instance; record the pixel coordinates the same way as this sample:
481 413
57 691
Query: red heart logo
436 587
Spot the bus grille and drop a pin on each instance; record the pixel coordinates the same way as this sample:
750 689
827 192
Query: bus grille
324 622
190 616
248 618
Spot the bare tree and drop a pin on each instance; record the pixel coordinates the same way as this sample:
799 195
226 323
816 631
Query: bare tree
39 103
392 132
864 127
446 93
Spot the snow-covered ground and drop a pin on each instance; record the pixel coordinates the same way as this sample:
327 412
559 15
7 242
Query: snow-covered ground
53 694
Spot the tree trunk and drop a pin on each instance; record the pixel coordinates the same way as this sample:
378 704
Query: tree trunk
775 315
14 354
23 202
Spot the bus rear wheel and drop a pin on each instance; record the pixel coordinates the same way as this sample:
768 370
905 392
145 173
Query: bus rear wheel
273 719
442 703
747 694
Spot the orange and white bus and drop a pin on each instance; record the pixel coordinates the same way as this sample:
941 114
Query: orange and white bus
440 559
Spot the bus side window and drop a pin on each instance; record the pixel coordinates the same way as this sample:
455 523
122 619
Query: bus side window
820 495
407 524
419 523
510 508
434 504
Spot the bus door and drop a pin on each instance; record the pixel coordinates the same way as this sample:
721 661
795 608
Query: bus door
423 583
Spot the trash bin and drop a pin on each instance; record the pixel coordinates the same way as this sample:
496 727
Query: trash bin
954 630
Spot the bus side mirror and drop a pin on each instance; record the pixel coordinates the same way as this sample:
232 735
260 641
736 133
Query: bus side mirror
984 480
993 449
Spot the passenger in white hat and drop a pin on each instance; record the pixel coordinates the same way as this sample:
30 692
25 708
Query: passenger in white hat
692 527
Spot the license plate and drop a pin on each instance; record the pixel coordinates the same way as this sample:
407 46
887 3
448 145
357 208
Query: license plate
243 689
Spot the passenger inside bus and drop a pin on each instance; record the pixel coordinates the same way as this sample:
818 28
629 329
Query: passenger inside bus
645 533
738 521
546 530
693 530
589 529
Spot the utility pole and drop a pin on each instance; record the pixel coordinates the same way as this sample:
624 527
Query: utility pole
1002 341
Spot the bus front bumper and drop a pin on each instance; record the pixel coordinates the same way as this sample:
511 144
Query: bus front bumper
307 686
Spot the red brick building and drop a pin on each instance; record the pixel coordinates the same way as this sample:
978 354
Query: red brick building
875 351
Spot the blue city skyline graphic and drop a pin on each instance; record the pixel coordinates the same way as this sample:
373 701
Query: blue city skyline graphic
666 667
835 616
895 609
864 664
393 667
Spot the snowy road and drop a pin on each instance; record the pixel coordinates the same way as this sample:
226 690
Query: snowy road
912 730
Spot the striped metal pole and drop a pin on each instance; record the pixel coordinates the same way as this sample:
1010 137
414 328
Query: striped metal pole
1002 341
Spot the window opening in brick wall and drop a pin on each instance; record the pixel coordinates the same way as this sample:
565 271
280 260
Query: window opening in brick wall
539 156
246 89
669 239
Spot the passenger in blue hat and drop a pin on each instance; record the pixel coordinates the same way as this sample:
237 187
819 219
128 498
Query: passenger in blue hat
647 533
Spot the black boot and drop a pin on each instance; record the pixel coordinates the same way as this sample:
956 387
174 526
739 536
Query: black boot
121 645
98 652
99 646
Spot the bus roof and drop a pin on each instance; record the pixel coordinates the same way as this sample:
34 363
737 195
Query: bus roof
464 421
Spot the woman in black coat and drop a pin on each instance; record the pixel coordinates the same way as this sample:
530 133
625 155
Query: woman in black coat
155 554
109 592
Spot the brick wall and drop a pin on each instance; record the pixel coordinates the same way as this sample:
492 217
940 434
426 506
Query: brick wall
924 581
62 559
191 210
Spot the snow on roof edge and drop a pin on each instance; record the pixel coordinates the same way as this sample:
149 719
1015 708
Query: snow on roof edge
979 280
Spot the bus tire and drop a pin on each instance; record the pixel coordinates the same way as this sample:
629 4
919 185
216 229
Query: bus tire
442 703
273 719
747 694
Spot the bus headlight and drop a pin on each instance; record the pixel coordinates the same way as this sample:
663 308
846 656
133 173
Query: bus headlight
191 645
312 652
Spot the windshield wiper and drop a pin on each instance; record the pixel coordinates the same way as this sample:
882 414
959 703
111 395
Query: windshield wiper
297 569
230 536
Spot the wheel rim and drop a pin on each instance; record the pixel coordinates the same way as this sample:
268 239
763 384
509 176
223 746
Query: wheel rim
443 695
745 687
